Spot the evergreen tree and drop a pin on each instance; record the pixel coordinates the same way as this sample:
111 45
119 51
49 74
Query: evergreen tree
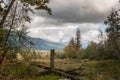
77 39
113 33
91 51
73 49
72 42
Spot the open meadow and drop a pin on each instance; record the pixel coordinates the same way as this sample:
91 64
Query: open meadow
59 39
90 70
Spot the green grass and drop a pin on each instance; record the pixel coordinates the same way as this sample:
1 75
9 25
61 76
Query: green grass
93 70
102 70
46 77
62 63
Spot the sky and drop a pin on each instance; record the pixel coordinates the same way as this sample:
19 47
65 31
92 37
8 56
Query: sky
67 15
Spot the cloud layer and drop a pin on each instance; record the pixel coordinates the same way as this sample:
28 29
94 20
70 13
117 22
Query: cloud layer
67 15
78 11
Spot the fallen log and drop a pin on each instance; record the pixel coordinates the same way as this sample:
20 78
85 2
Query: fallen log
61 73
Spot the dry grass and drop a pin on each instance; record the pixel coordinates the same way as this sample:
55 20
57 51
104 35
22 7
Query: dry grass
93 70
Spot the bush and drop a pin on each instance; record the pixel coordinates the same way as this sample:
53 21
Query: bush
19 70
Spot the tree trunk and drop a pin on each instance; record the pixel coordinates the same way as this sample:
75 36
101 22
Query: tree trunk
3 56
6 13
5 51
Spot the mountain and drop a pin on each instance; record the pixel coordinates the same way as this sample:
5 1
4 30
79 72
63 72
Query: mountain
41 44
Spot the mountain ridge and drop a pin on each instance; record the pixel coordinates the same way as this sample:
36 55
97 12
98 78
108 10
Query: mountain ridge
42 44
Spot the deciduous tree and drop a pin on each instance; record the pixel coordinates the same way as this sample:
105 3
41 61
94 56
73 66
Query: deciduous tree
14 15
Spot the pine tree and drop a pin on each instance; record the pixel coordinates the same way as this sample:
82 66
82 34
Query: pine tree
72 42
113 33
77 39
73 49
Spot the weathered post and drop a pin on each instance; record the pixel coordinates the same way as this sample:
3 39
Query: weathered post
52 53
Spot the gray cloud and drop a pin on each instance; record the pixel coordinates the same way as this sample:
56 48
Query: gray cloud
78 11
67 16
63 34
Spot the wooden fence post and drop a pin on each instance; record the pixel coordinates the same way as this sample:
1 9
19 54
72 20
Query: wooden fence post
52 53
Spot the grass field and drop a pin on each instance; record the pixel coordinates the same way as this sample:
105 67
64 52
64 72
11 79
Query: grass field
62 63
92 70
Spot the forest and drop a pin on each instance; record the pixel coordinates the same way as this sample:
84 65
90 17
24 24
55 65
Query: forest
18 61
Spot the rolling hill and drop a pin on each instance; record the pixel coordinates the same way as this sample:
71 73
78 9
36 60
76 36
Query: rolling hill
41 44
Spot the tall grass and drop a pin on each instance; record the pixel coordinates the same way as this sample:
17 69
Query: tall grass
103 70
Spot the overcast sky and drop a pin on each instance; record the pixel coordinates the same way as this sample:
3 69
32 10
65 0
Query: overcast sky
67 15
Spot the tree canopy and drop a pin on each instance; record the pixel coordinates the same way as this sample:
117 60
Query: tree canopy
13 16
27 5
